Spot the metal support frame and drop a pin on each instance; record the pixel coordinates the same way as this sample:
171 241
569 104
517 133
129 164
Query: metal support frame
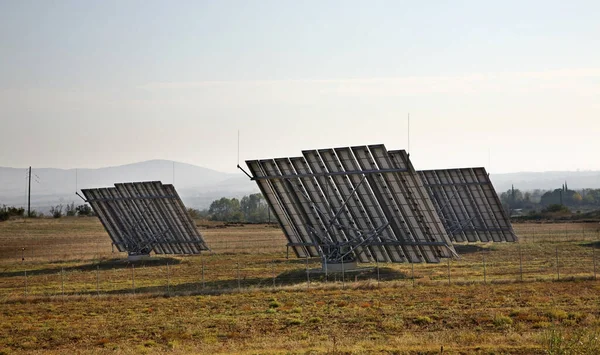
129 198
336 252
356 172
137 248
341 252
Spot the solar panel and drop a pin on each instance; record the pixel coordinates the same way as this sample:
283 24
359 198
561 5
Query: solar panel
141 217
353 204
468 205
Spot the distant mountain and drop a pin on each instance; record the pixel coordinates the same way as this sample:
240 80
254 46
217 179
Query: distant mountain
197 186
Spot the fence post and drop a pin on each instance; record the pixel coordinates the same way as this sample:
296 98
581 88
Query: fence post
203 283
448 271
273 272
520 263
557 268
484 273
343 274
238 276
594 258
377 266
133 278
307 274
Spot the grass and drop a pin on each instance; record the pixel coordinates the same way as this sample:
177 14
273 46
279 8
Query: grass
248 298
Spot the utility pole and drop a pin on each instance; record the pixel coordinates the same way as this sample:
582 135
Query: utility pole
29 196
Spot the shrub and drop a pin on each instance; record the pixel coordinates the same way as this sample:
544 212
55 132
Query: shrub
56 211
7 212
422 320
71 210
84 210
557 314
315 320
502 321
556 208
294 321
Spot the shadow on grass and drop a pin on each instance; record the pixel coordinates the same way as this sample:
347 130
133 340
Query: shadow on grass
102 265
595 245
468 249
216 287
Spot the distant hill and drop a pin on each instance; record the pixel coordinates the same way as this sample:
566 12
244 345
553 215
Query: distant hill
199 186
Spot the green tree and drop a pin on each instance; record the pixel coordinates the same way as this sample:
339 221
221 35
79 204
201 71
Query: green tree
225 209
255 208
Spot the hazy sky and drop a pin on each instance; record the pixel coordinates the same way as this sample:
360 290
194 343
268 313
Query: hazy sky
512 85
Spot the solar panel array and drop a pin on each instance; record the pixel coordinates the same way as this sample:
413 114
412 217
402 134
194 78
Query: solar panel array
468 205
141 217
365 199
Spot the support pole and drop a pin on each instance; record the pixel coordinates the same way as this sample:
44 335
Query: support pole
133 278
98 280
412 273
29 195
62 281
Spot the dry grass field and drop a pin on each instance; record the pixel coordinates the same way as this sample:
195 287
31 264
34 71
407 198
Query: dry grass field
72 294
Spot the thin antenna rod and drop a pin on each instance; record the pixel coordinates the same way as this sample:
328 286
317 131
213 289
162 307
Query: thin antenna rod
238 163
408 133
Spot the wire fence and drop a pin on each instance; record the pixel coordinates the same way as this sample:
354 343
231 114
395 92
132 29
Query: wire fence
544 253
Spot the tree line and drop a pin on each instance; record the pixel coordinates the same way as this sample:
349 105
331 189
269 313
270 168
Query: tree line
541 200
251 208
